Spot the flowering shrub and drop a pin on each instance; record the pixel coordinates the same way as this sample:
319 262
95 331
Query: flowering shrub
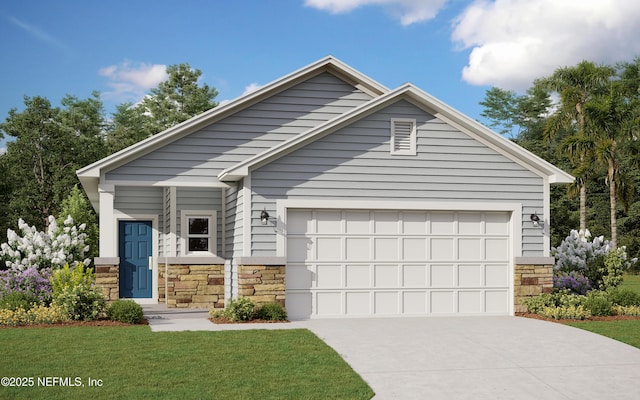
593 263
36 315
633 311
81 302
31 282
53 248
573 281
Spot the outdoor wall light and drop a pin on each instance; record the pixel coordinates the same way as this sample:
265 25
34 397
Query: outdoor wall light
535 219
264 217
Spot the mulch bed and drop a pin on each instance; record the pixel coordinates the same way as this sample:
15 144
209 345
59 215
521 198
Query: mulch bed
99 322
220 320
562 321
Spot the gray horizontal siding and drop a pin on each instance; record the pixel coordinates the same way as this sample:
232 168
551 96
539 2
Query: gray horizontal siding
355 163
134 201
201 156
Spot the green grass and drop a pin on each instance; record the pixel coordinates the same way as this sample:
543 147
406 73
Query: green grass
632 282
134 363
623 331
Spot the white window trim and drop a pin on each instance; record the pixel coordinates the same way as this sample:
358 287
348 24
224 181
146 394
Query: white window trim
184 232
412 149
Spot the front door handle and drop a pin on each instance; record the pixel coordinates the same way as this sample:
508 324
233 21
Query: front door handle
150 262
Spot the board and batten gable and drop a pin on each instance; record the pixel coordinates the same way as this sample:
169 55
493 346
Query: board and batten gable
355 163
200 156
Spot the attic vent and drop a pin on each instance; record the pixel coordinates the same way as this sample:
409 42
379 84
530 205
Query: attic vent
403 137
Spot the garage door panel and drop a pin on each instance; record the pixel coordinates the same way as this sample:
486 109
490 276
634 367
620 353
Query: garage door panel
385 249
328 248
470 224
414 223
414 303
442 302
386 303
497 302
299 305
299 249
328 222
497 249
358 249
470 249
442 223
470 302
299 277
380 263
358 303
497 275
386 223
414 276
414 249
357 222
442 275
328 304
470 275
299 222
442 249
386 276
329 276
358 276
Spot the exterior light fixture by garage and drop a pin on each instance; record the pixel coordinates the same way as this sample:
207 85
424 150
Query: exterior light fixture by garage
264 217
536 220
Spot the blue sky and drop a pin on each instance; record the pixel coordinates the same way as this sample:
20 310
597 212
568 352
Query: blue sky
453 49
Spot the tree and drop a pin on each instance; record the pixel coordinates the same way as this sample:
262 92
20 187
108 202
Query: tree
77 206
50 145
172 102
576 86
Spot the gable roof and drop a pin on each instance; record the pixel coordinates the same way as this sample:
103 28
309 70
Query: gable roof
90 175
423 100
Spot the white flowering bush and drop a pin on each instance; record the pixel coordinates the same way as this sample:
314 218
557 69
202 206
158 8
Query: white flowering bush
51 249
583 264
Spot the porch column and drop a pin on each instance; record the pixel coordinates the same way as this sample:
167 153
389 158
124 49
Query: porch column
107 229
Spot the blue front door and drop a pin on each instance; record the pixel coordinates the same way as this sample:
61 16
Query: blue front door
135 250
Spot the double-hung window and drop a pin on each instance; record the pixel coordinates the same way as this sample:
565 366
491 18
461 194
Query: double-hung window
198 231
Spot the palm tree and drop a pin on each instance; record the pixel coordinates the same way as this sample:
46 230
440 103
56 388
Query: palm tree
576 86
611 117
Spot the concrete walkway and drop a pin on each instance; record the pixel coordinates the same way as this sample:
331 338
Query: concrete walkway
463 357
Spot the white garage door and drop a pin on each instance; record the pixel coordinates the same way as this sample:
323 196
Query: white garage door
396 263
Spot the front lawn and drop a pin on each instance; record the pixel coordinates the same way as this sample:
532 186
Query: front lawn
623 331
134 363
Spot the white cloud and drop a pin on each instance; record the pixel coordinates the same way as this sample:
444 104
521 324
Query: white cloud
130 81
408 11
252 87
3 150
513 42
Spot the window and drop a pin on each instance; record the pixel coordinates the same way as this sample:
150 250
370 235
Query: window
198 232
403 137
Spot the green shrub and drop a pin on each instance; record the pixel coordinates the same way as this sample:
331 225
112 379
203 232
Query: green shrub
81 302
633 311
39 314
566 312
538 303
623 296
597 303
127 311
271 312
65 277
236 310
15 300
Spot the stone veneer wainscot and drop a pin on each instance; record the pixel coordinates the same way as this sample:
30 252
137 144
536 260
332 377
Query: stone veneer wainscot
532 277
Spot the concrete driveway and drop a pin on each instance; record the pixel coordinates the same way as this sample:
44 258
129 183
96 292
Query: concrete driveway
482 358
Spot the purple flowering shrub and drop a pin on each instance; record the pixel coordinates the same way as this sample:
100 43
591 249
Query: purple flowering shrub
33 282
573 281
